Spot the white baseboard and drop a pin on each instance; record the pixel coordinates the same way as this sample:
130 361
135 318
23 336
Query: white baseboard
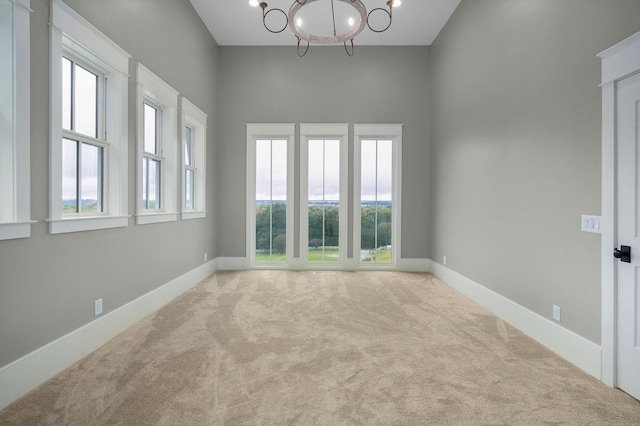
576 349
233 263
406 265
28 372
413 265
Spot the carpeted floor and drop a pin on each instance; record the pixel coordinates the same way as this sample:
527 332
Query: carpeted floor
365 348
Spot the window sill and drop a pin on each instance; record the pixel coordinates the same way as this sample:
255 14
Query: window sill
15 230
193 215
79 224
147 218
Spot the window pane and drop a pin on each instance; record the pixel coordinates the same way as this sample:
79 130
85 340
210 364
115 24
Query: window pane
316 170
278 231
91 178
150 129
368 170
85 102
331 234
153 184
145 186
69 176
188 154
332 170
385 162
263 170
66 93
279 170
189 193
316 226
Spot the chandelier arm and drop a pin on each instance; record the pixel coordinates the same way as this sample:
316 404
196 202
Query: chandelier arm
301 3
267 12
388 12
352 48
298 49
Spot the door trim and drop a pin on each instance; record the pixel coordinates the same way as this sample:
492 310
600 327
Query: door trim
618 62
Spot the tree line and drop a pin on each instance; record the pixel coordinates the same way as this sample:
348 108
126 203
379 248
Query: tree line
274 237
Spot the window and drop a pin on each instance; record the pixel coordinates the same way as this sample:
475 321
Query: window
88 174
270 194
157 149
14 120
82 146
377 183
323 192
194 156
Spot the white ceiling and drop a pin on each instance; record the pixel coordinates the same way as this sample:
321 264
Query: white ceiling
236 23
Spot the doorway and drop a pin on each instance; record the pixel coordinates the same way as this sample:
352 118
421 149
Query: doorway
621 216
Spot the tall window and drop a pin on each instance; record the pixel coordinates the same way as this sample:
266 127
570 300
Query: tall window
189 168
270 193
84 140
377 170
194 157
157 149
14 119
324 200
323 192
151 159
271 200
89 82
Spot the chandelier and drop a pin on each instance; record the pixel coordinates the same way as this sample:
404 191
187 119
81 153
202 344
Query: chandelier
355 26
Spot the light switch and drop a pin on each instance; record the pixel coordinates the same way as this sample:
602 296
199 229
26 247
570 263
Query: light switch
591 224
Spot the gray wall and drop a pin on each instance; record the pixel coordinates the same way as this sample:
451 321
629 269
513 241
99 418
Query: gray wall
48 282
272 84
516 148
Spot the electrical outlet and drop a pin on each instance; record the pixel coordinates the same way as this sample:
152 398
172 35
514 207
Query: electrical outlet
97 305
556 313
444 260
206 257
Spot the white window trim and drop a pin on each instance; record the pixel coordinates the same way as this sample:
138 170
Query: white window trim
195 118
279 131
17 223
368 132
72 33
152 88
338 131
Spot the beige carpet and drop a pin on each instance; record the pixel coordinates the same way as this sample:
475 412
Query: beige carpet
365 348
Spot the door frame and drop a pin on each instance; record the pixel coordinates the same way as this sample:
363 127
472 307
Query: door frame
618 62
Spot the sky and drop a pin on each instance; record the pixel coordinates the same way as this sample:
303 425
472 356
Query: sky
324 170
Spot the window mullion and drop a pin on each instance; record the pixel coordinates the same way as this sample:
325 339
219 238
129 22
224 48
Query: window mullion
78 177
271 200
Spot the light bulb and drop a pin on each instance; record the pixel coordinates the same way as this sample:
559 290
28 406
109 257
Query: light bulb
397 3
351 22
299 22
254 3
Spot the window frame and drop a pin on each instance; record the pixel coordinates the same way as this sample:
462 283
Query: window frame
269 131
391 132
72 35
193 117
325 131
15 215
153 90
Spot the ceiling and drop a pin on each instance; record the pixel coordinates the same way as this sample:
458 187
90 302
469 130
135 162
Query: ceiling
236 23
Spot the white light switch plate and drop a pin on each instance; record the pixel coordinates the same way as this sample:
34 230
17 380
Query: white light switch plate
592 224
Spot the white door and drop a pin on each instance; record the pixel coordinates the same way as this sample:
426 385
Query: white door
628 127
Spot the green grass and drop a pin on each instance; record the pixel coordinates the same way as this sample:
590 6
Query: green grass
383 256
275 257
330 255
